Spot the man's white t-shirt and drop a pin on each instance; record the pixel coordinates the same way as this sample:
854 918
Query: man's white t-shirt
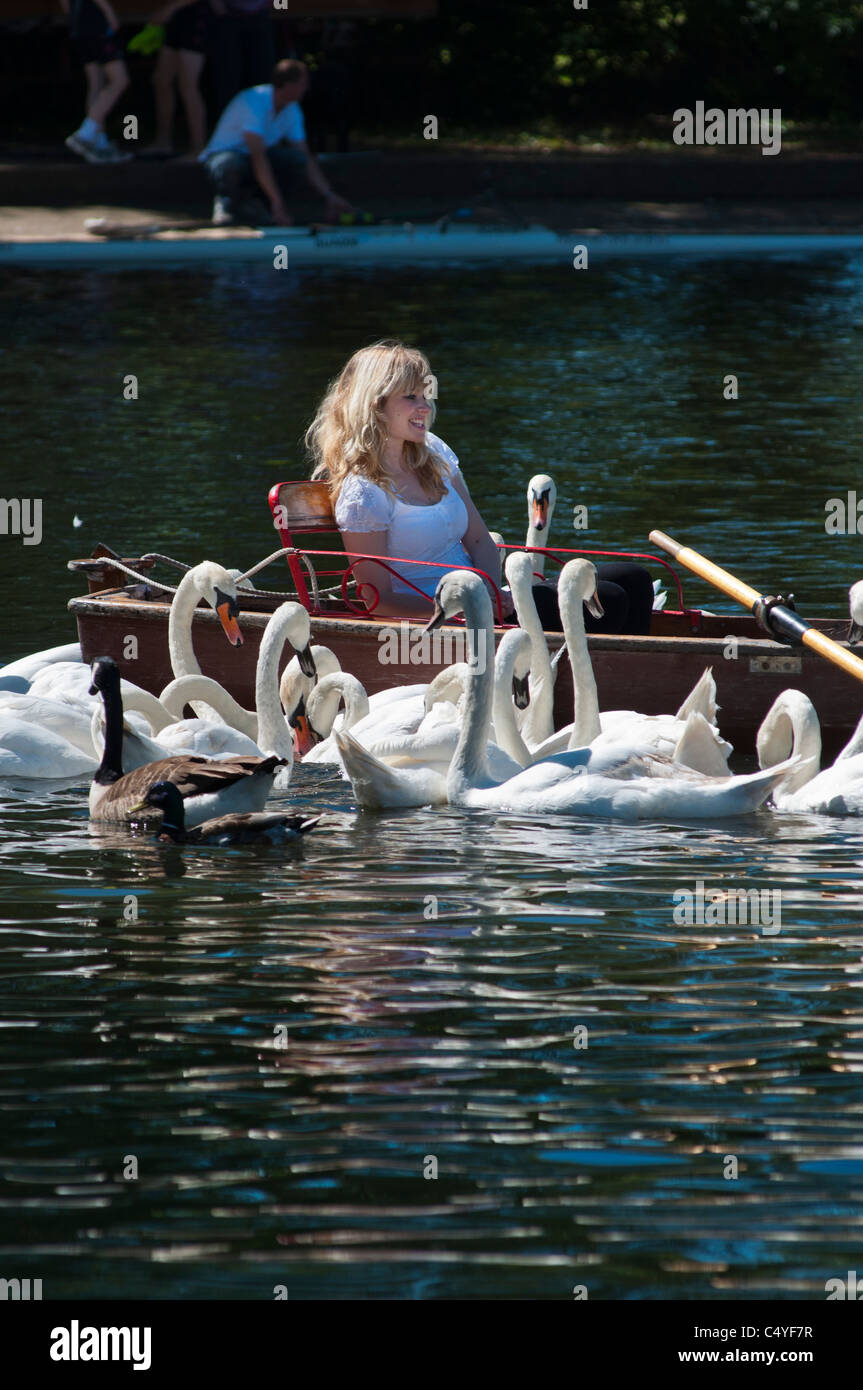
252 111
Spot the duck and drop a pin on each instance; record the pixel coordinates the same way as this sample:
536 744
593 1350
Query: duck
207 787
249 828
791 726
609 783
541 497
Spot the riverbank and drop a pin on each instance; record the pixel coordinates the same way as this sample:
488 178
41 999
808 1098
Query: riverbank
48 196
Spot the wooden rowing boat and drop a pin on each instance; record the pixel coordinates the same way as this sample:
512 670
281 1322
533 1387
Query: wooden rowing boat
652 673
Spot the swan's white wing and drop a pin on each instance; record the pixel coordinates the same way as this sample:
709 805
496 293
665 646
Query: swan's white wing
29 751
378 787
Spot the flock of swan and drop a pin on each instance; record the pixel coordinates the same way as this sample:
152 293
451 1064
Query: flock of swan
481 734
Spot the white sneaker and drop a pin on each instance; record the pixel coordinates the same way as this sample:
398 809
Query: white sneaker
87 149
222 215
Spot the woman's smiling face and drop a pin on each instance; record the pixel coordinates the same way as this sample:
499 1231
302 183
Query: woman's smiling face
407 414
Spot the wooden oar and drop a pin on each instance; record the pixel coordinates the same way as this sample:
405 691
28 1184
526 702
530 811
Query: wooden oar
789 624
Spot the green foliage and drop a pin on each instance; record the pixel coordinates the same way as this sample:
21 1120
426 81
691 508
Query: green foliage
627 58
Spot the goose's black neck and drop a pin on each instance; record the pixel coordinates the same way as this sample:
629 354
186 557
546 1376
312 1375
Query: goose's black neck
111 767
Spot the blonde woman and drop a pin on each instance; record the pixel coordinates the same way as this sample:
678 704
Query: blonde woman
397 490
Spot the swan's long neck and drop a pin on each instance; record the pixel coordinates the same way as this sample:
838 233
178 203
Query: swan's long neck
142 702
180 648
506 733
110 768
585 700
322 705
533 538
274 735
854 744
790 727
469 767
538 722
183 691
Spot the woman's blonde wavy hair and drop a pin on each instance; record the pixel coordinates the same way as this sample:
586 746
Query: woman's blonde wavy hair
349 431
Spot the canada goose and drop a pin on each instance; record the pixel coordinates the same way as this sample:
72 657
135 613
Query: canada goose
248 828
237 784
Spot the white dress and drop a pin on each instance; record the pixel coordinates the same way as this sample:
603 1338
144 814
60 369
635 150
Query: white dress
423 532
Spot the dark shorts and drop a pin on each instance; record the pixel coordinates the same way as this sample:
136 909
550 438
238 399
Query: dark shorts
107 49
189 29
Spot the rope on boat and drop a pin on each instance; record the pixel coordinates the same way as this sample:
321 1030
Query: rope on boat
265 593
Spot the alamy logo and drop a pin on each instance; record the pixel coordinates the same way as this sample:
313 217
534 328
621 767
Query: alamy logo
409 645
21 516
840 1288
76 1343
19 1290
719 907
736 126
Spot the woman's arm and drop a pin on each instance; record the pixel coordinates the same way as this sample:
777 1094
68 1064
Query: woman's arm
407 605
478 543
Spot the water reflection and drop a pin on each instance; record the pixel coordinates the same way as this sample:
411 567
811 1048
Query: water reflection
435 975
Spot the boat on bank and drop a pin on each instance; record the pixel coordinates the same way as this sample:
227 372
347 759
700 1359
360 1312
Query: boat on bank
404 244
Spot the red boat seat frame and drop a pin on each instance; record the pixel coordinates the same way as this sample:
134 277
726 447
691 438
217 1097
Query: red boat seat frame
305 508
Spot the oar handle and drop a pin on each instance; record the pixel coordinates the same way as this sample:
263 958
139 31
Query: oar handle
748 597
840 656
714 574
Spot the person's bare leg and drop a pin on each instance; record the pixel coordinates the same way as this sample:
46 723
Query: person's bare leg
116 82
95 82
191 66
164 77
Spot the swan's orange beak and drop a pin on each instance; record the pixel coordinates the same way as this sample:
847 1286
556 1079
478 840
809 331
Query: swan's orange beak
228 619
594 607
305 737
539 510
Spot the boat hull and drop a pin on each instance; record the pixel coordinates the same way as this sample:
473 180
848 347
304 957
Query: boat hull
652 674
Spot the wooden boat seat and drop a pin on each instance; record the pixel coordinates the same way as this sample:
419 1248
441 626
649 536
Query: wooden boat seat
301 508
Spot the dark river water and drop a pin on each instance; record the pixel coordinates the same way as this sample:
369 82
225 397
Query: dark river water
432 1054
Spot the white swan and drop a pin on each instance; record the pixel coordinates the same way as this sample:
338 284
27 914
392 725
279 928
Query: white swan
580 782
414 772
269 730
704 750
69 682
855 604
538 721
418 730
791 726
30 666
213 584
33 750
541 497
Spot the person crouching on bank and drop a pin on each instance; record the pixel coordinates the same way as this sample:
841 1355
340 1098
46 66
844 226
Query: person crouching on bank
259 146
